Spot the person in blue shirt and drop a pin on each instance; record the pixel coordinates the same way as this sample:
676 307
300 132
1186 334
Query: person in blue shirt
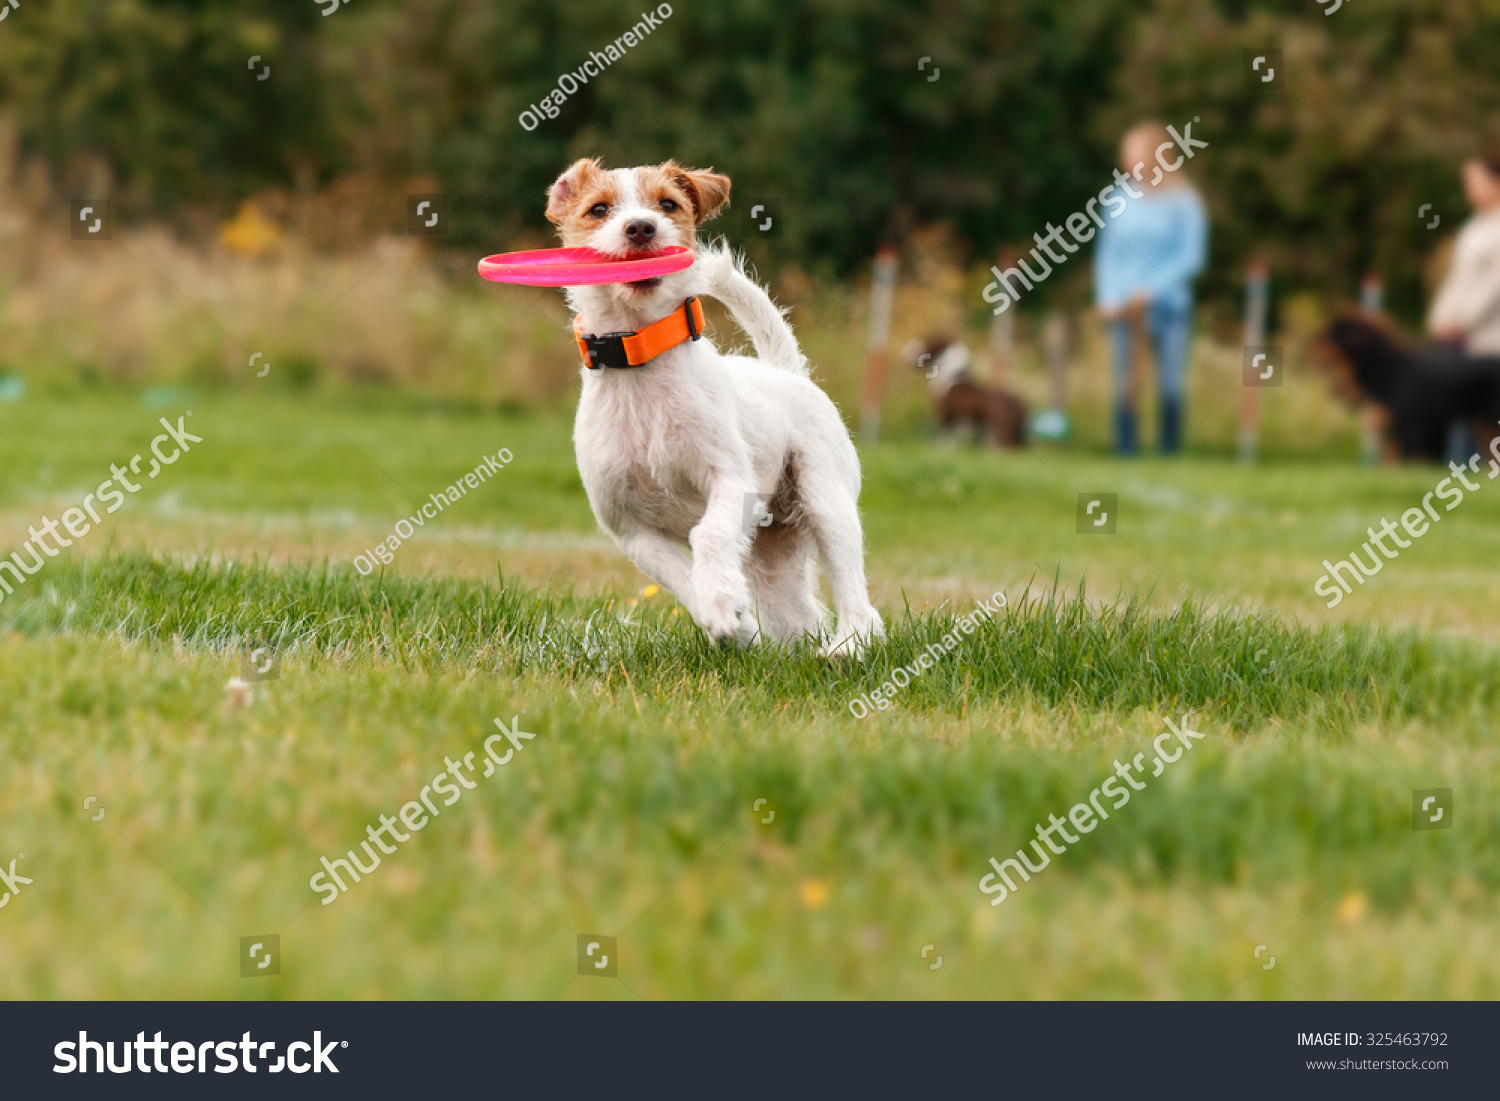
1148 255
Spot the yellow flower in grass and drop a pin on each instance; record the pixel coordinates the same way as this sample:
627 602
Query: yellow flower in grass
1351 908
814 893
250 233
650 590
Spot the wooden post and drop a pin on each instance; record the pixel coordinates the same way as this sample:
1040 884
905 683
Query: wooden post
1052 422
1055 348
882 293
1003 333
1257 299
1372 302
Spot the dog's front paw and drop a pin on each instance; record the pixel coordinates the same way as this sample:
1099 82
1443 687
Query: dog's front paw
845 646
850 642
728 620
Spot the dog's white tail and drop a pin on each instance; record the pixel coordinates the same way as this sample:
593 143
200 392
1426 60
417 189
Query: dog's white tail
724 278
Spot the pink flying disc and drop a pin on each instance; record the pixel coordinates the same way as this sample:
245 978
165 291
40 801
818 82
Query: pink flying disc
578 267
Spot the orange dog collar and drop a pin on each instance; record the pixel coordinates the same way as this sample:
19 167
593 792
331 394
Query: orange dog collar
639 348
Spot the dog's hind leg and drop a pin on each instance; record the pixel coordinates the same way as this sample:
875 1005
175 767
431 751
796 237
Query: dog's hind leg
947 432
780 572
831 510
995 433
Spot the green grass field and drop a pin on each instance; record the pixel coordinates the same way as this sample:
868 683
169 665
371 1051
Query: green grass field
635 812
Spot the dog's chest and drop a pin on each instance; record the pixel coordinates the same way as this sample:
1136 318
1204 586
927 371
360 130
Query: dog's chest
643 456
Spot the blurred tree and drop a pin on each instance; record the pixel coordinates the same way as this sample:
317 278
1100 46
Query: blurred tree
164 95
1383 101
819 105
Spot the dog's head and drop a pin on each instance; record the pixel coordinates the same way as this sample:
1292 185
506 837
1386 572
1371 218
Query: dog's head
921 353
1361 357
625 212
942 360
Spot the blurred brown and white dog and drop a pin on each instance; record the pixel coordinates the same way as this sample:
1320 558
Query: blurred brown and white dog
742 460
996 416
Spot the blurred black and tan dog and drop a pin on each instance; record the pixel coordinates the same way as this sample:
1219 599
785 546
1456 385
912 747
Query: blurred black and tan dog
1419 389
996 416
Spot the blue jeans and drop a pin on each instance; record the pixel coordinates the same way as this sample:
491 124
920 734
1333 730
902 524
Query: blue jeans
1169 329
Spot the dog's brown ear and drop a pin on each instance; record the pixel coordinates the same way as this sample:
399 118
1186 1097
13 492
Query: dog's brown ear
562 193
706 189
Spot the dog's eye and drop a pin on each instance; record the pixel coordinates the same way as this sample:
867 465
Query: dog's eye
668 205
598 210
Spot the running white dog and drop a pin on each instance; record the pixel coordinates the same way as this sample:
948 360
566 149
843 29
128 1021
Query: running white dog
743 460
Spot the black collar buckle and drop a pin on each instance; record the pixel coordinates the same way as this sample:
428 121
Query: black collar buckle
607 350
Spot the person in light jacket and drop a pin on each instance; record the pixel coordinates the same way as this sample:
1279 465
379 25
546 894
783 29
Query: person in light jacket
1143 272
1465 311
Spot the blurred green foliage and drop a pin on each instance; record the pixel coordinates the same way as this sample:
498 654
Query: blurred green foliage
163 94
817 104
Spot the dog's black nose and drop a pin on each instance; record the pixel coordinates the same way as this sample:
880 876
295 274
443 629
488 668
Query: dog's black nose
640 231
